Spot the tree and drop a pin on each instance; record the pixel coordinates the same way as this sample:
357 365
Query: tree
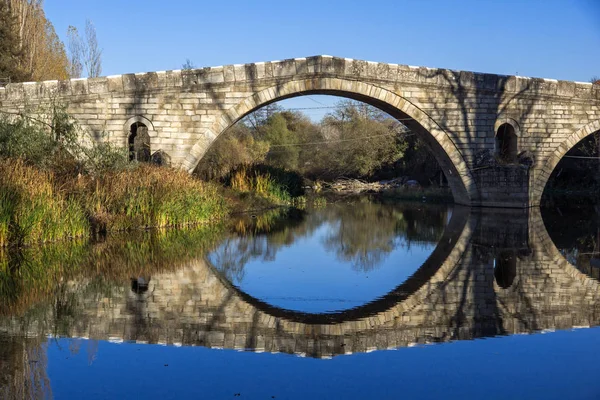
75 52
188 65
362 140
84 53
41 53
9 46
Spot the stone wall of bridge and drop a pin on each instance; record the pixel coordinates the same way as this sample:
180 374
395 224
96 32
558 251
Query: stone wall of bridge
457 112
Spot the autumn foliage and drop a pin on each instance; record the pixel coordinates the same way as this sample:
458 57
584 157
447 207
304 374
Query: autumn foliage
30 49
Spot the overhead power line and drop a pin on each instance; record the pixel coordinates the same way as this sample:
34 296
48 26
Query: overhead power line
402 134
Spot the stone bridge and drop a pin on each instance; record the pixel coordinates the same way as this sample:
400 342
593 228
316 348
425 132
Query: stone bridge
470 287
529 123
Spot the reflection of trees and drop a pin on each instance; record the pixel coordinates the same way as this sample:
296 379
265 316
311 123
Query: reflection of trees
23 369
365 234
362 233
576 233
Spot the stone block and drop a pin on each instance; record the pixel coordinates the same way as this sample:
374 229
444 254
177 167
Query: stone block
79 87
129 82
98 85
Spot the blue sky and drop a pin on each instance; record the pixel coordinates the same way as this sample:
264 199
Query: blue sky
540 38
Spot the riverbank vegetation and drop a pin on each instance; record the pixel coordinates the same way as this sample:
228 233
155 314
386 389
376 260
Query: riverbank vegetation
56 183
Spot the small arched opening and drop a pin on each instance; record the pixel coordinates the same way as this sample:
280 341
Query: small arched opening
140 284
505 268
506 143
139 143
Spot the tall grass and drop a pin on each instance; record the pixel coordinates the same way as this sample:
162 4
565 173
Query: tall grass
147 197
275 184
35 208
32 210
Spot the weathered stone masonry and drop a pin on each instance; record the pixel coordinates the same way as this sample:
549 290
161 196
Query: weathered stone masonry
458 112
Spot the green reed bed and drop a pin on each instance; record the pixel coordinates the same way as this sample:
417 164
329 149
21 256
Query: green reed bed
275 184
147 197
36 208
32 210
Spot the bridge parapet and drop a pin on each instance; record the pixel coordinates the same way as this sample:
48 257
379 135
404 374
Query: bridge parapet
298 68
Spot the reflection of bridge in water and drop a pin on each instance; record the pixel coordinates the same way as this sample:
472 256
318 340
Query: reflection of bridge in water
469 287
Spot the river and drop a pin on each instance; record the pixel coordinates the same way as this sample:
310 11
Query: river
356 299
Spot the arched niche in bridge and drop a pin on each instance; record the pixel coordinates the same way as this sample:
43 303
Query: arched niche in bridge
505 268
139 143
131 131
544 171
446 152
507 143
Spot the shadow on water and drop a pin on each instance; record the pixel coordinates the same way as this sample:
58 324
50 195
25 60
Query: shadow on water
489 274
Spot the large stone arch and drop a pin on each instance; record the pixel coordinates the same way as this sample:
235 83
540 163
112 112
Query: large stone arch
443 147
539 237
542 174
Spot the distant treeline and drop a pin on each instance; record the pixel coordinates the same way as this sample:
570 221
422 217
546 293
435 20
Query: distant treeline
355 140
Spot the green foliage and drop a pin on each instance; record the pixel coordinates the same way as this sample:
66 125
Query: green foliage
282 151
354 141
54 140
235 147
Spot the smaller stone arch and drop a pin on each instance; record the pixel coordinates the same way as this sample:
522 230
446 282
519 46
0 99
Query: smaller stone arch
139 130
141 119
507 134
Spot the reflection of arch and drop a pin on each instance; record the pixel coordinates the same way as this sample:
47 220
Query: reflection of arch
438 265
543 173
140 284
445 151
505 268
506 143
539 235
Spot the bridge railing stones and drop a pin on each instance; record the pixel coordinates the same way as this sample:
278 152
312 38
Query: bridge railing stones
298 67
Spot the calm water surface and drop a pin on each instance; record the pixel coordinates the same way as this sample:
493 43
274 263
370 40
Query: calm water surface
354 300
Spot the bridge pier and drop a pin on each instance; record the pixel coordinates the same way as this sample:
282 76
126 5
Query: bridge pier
503 186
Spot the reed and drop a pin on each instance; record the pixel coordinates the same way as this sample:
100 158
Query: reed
32 210
277 185
147 197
